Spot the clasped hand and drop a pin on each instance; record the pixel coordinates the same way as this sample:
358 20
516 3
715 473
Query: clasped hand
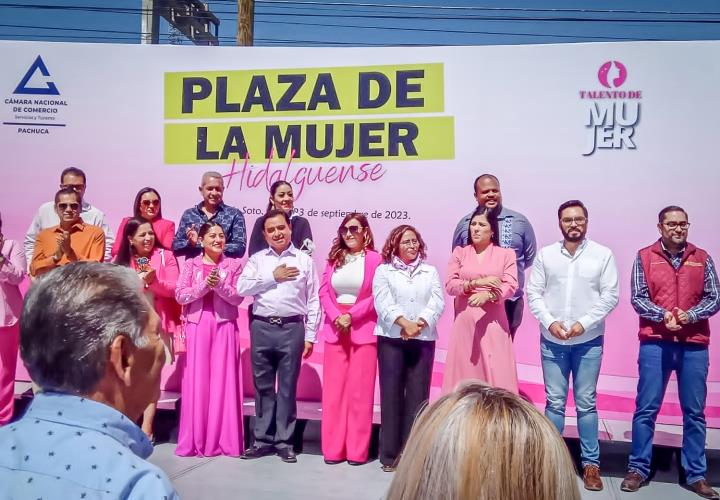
411 329
344 322
558 330
675 319
63 246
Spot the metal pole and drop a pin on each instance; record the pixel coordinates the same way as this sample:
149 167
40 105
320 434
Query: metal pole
150 23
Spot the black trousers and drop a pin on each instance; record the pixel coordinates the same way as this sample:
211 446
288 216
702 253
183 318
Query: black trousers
514 311
276 353
405 371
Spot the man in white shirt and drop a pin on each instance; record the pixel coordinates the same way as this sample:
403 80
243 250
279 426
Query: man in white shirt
573 287
46 215
283 329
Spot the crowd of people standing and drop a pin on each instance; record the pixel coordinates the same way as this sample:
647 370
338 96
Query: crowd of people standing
376 310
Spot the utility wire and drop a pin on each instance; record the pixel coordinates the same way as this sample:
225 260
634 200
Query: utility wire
132 10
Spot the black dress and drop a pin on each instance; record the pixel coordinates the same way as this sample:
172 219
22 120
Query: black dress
302 236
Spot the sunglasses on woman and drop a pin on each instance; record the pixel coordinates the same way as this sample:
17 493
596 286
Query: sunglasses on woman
150 203
350 229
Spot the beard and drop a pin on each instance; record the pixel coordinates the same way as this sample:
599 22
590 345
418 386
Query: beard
575 238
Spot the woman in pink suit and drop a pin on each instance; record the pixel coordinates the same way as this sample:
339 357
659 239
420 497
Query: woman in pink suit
158 273
147 207
211 405
481 276
12 272
350 359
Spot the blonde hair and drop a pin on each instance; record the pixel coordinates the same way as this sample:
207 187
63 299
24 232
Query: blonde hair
484 443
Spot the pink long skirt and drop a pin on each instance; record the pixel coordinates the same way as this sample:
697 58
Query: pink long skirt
481 349
211 406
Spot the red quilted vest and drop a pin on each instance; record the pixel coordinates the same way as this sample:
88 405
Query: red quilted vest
670 288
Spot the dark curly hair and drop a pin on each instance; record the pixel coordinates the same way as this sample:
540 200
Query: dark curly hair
392 244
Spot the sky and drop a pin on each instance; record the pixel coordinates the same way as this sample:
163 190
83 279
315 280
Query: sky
381 23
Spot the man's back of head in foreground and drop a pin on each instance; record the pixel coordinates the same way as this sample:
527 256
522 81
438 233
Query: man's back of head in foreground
90 341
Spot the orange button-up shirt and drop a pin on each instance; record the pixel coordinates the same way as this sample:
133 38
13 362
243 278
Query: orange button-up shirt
87 241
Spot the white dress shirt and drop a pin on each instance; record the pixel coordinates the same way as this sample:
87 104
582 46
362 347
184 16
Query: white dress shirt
397 293
289 298
569 288
47 217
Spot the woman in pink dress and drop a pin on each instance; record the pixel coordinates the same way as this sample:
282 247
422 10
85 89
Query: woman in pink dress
12 272
158 273
481 276
147 207
211 405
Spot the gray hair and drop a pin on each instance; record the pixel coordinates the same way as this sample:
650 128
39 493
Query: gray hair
70 318
210 175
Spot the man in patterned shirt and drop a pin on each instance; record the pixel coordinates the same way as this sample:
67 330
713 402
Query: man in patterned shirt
515 232
675 292
90 339
212 208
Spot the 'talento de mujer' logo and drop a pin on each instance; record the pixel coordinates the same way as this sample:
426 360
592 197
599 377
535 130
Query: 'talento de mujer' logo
613 114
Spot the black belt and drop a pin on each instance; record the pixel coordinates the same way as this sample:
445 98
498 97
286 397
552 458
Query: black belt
280 320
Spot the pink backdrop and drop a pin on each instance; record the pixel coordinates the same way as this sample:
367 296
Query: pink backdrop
524 113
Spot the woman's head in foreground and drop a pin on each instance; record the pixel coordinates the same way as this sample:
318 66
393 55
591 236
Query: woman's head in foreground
484 443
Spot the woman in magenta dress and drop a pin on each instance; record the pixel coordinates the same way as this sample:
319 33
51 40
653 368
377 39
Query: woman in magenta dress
147 207
211 405
481 276
158 273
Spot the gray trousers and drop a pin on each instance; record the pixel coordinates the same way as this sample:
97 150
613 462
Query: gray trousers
276 353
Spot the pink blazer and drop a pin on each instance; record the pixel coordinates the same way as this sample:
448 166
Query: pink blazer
163 287
464 265
164 233
191 288
362 311
12 272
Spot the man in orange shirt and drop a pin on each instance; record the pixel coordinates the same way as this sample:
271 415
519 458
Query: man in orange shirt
70 241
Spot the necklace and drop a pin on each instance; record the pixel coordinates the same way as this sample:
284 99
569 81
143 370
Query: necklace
349 258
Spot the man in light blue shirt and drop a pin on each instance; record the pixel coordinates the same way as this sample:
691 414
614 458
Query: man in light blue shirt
515 232
572 288
89 339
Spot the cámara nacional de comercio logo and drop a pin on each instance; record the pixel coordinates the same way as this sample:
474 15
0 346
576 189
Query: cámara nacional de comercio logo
36 106
613 113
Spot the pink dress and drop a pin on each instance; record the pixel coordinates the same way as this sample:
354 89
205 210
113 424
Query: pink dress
211 405
480 344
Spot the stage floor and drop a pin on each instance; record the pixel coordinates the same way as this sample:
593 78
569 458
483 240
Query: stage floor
268 478
311 479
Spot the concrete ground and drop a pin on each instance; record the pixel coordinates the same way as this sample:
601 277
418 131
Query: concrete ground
269 478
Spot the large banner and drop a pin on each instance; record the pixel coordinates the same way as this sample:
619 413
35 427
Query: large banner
398 134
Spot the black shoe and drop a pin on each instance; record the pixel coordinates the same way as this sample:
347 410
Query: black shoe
333 462
256 451
353 462
287 455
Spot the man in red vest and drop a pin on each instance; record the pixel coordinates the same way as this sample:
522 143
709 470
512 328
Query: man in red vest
675 290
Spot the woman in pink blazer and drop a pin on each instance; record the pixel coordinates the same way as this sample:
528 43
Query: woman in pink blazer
481 276
350 359
147 207
211 408
158 273
12 272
